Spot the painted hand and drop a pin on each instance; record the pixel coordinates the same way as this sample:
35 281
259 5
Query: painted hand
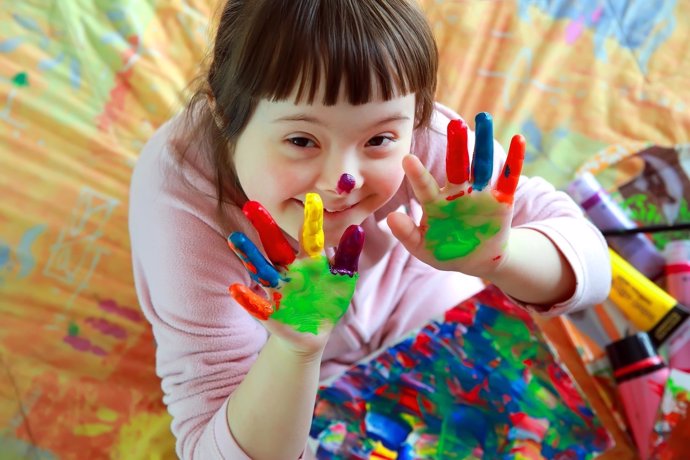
466 224
308 295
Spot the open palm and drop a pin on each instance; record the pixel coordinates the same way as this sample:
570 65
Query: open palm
307 295
466 224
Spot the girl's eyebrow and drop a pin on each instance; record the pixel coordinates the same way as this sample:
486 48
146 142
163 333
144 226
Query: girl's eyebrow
317 121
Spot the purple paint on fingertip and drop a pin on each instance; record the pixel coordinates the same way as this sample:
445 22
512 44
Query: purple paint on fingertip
346 258
346 183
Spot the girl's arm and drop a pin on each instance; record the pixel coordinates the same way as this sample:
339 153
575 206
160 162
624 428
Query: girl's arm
270 413
535 245
210 353
534 270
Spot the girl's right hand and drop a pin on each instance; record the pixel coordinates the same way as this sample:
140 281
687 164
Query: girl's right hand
308 295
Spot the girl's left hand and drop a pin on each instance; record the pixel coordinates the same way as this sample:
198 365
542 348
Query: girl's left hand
466 225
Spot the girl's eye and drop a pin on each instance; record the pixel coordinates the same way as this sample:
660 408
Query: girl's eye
302 142
379 141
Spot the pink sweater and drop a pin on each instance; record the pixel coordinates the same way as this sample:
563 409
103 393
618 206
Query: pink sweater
206 343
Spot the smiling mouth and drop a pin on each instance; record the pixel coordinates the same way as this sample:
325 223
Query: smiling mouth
326 210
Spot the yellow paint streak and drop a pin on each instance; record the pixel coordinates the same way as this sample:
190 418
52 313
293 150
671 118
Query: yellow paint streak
92 429
146 436
380 452
107 415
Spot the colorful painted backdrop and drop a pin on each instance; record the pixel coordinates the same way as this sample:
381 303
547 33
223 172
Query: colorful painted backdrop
83 84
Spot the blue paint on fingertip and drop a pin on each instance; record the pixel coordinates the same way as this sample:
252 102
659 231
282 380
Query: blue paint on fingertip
259 268
483 158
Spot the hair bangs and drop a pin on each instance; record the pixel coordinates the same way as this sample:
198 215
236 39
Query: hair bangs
333 49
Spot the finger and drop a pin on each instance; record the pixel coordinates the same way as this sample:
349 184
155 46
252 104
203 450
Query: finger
457 155
274 242
256 305
510 175
405 230
423 184
346 258
256 264
312 231
483 156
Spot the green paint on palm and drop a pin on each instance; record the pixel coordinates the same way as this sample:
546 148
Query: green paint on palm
314 295
458 227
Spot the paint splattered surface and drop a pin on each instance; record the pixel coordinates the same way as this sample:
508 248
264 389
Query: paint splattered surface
84 84
667 441
482 383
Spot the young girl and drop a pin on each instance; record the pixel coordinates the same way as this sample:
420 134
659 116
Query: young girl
325 108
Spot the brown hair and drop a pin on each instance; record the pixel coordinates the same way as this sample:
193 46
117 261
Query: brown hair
269 48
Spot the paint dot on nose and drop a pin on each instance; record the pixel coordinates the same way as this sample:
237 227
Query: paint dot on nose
346 183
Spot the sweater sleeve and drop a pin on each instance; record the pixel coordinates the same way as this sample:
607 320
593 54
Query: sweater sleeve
206 343
538 206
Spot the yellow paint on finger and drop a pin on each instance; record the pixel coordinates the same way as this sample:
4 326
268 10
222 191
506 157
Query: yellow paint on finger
312 231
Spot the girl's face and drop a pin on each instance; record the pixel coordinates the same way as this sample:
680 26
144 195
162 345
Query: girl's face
288 149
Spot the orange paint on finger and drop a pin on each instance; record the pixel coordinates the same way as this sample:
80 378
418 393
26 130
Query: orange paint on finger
256 305
510 175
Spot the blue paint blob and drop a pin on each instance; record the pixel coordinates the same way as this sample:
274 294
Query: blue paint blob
392 433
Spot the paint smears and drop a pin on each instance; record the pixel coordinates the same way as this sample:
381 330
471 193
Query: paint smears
111 306
345 184
478 387
307 305
451 233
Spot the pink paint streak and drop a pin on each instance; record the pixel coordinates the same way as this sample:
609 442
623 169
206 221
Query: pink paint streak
106 327
596 15
112 307
84 345
573 31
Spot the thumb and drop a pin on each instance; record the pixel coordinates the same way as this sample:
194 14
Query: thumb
405 230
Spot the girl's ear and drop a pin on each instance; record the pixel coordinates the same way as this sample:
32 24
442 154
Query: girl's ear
220 123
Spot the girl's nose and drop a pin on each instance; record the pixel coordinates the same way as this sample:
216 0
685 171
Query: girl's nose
340 175
346 183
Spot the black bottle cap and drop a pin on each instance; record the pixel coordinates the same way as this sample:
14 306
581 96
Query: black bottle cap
630 350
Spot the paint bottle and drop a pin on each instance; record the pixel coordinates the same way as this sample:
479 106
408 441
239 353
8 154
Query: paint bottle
640 376
606 214
648 307
677 255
